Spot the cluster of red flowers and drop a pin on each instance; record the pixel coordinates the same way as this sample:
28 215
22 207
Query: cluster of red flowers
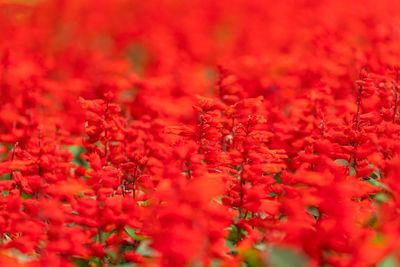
200 133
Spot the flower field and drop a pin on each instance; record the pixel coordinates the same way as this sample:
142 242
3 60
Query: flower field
200 133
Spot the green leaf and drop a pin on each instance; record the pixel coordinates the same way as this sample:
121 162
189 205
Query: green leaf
252 258
378 184
389 261
80 262
352 171
76 151
373 182
277 177
231 246
381 197
6 177
282 257
234 234
131 232
144 249
17 254
144 203
96 261
377 173
26 196
215 262
111 254
260 246
313 211
342 162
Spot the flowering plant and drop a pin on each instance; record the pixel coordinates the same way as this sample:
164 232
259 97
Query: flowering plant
199 133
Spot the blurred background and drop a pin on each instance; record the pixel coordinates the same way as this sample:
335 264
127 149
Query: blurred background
169 50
